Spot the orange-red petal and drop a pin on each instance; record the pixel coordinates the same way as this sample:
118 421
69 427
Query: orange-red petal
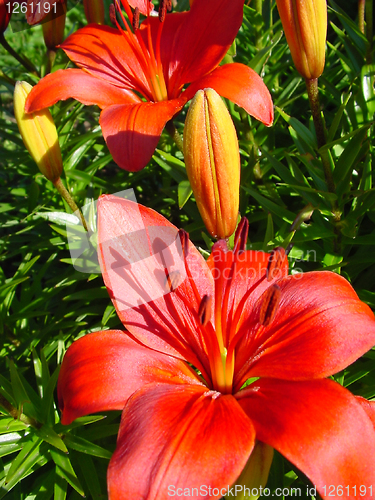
136 245
106 53
103 369
174 437
203 39
320 427
79 85
242 85
320 327
132 131
369 407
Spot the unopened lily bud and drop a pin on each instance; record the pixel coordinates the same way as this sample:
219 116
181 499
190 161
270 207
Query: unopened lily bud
94 11
305 26
212 162
54 25
39 134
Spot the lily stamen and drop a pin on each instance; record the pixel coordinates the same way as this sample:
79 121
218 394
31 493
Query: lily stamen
204 311
135 22
270 304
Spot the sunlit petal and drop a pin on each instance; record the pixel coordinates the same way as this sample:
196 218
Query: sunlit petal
243 86
132 131
320 327
75 83
317 425
102 370
179 437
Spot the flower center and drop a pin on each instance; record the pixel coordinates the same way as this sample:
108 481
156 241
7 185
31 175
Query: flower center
146 49
223 327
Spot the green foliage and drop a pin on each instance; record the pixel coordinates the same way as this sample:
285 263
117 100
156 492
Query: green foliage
45 304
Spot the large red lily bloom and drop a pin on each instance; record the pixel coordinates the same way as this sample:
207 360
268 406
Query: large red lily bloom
137 78
236 316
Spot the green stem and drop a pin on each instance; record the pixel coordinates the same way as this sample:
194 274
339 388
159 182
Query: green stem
17 415
313 93
72 204
50 58
21 59
173 132
258 6
369 30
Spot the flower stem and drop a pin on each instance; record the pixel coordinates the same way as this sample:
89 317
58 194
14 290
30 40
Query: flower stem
17 415
361 15
21 59
72 204
173 132
369 30
313 93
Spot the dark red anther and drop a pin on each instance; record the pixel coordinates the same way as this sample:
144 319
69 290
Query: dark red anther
184 237
205 309
240 238
270 303
275 262
169 5
112 14
162 10
136 19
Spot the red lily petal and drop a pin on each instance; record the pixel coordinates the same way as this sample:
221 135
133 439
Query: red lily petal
249 271
320 427
179 437
369 407
132 131
103 369
106 53
75 83
203 39
240 84
169 28
320 327
136 246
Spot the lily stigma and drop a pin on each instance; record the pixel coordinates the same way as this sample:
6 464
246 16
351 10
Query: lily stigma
137 72
219 358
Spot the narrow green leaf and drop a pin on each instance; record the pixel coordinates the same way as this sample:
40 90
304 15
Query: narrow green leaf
61 486
89 473
66 470
85 446
302 131
50 436
184 192
25 459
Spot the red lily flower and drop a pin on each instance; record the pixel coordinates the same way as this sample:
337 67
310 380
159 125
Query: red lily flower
154 62
236 316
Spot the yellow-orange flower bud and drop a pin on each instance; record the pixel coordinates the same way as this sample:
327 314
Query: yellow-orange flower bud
212 162
94 11
39 134
305 26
